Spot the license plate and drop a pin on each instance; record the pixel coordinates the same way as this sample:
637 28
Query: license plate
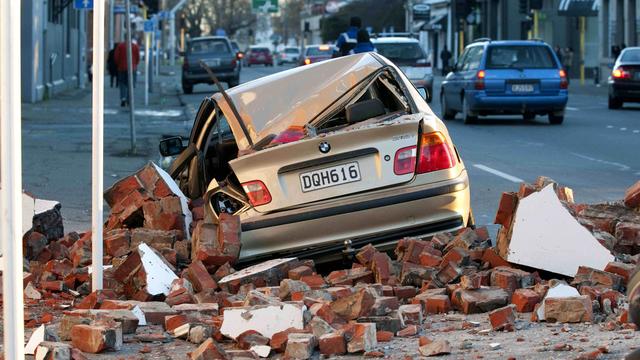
331 176
213 62
522 88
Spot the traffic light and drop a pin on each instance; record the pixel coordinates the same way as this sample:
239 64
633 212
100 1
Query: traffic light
523 6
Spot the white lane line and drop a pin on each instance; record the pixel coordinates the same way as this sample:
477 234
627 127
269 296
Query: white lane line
623 129
622 167
572 108
498 173
609 126
636 131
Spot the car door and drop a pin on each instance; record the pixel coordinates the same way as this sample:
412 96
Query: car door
452 84
468 73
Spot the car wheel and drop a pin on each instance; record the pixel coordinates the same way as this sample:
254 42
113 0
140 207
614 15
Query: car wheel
614 103
447 113
187 88
248 64
468 116
555 119
529 116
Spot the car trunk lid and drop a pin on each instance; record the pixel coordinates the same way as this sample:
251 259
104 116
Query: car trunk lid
355 159
527 82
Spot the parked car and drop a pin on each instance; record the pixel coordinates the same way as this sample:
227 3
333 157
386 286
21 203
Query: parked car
290 54
505 78
624 81
315 53
258 55
216 52
239 53
343 153
406 53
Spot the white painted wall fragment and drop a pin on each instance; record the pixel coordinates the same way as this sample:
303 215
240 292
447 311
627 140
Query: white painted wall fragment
266 319
159 275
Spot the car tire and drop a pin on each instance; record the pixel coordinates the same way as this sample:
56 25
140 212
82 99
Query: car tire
468 117
555 119
248 64
614 103
187 88
529 116
447 113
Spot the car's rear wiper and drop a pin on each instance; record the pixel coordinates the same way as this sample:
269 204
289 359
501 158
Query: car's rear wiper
228 99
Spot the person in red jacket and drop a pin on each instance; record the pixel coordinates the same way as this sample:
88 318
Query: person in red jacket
121 63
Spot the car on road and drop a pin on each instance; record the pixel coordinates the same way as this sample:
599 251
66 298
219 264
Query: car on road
624 81
289 55
319 159
315 53
407 53
239 53
214 51
259 55
507 77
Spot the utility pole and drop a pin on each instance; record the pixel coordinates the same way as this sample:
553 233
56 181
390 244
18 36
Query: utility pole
11 178
82 49
172 31
130 78
112 24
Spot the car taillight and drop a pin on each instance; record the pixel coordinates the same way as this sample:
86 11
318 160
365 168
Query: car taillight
291 134
620 73
257 192
239 56
405 161
479 85
423 63
307 61
434 153
564 83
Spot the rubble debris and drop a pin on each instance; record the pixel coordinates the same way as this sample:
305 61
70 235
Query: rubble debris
268 273
265 319
559 291
632 196
209 350
300 346
42 216
53 351
568 309
544 235
503 318
435 347
96 338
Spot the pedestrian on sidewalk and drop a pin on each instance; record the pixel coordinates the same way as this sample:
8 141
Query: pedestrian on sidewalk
364 43
348 39
445 56
558 50
112 67
567 61
123 67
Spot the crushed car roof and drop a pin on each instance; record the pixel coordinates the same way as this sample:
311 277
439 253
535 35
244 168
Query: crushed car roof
272 104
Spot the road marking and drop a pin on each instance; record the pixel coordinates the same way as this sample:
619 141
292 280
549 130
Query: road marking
609 126
636 131
623 129
572 108
622 167
498 173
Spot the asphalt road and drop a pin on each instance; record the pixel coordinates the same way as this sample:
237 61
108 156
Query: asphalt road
596 151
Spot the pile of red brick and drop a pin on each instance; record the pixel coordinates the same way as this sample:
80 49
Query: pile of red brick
166 273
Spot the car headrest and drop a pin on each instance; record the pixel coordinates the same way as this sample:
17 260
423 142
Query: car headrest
363 110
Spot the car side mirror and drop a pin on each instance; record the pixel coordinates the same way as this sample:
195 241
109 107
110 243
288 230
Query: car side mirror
424 93
171 146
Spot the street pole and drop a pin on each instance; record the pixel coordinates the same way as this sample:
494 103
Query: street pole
112 24
130 77
582 31
147 39
82 40
97 141
172 31
535 25
11 179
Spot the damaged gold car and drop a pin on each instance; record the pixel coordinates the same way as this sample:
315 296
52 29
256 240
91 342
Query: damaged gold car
324 158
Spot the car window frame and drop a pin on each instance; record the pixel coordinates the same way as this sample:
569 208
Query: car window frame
225 41
555 62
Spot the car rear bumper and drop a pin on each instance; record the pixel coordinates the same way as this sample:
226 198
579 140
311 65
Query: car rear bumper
625 92
479 101
380 218
194 77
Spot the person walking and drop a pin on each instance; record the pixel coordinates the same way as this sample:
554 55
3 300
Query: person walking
445 56
364 43
348 39
123 75
112 67
558 52
567 61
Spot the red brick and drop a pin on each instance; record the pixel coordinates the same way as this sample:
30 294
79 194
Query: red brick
622 269
314 281
471 281
128 268
355 305
506 209
503 318
250 338
323 311
96 298
209 350
117 242
479 300
404 292
409 250
410 330
171 322
593 277
332 344
197 274
456 255
525 300
632 196
525 190
164 214
278 341
52 285
569 309
300 271
437 304
95 338
429 259
384 336
381 267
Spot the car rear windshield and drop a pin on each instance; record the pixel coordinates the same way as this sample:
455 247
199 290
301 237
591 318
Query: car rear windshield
519 57
211 46
291 51
631 56
319 51
260 50
400 51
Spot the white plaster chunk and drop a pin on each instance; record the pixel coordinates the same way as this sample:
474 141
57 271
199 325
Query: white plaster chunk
546 237
188 218
36 338
261 350
558 291
266 319
137 312
255 269
159 275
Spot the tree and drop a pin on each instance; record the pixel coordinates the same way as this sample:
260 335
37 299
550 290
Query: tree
194 12
372 13
287 23
205 16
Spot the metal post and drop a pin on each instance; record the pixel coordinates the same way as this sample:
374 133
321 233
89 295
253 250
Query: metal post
582 33
152 62
147 39
157 67
97 98
536 33
172 38
112 24
130 78
11 179
82 40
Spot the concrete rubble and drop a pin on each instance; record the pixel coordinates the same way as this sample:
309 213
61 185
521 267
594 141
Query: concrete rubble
169 280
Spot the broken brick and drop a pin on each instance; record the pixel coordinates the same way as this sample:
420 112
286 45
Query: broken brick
96 338
355 305
479 300
525 300
503 318
568 309
332 344
300 346
197 274
506 208
362 337
209 350
632 196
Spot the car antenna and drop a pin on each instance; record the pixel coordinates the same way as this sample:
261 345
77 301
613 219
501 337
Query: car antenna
229 101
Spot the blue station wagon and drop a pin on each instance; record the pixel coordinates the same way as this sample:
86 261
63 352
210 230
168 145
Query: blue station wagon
521 77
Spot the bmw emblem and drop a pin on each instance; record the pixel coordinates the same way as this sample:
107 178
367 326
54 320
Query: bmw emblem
324 147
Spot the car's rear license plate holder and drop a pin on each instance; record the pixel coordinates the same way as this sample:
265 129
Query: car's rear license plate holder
522 88
330 176
212 62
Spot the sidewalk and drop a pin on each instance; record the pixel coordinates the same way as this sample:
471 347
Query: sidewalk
56 138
